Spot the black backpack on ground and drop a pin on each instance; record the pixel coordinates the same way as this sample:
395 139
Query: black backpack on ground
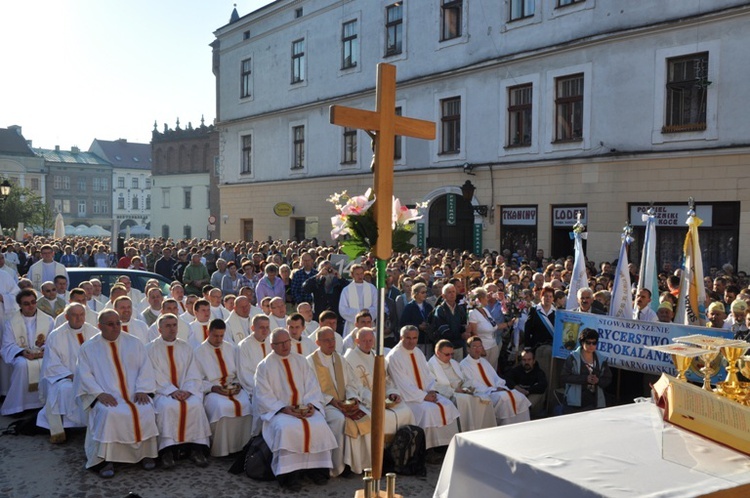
406 453
255 460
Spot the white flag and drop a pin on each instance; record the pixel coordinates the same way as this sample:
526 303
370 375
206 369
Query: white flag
621 304
648 276
579 279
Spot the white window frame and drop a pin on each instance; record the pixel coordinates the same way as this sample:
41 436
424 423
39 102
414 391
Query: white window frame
713 47
504 149
247 98
460 156
306 55
358 52
549 92
404 32
450 42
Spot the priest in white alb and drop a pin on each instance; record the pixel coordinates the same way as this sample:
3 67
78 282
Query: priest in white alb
180 415
433 412
238 322
60 409
357 296
226 403
170 306
362 361
348 419
301 343
250 352
290 403
199 326
130 324
113 381
78 295
475 412
24 336
510 405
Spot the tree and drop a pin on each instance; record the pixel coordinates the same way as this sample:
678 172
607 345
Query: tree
25 206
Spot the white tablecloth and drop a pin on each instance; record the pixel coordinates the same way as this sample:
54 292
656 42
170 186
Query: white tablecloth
625 451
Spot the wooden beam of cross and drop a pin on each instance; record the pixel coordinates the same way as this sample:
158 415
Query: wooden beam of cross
385 124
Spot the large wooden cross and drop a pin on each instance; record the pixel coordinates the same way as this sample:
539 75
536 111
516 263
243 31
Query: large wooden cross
385 124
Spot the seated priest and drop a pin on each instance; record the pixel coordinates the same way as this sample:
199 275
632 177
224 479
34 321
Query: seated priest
200 325
24 336
433 412
362 361
168 306
476 413
226 403
348 419
113 382
180 416
130 324
288 399
60 409
238 321
295 325
510 405
78 295
250 352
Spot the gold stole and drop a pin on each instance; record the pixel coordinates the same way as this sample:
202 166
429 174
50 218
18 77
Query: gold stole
353 428
19 332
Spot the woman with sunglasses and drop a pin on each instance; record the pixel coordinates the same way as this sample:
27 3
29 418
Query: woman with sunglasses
586 374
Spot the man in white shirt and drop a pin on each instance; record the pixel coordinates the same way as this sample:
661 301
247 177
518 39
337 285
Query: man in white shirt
113 381
169 306
433 412
357 296
278 313
251 351
50 303
349 422
154 298
91 303
217 308
24 336
238 321
180 416
8 291
301 344
189 315
58 366
510 405
362 361
78 295
475 413
97 292
363 319
130 325
177 292
305 309
5 265
643 311
61 286
199 326
289 401
46 269
227 404
135 295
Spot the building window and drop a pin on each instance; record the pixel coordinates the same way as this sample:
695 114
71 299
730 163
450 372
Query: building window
66 182
569 108
520 9
298 147
687 89
394 23
519 115
187 198
349 45
121 201
100 206
298 12
450 122
245 79
134 204
148 202
563 3
35 184
105 207
165 231
81 207
61 182
350 146
148 182
187 232
82 184
62 206
246 35
165 197
450 19
120 182
298 61
247 154
134 182
397 140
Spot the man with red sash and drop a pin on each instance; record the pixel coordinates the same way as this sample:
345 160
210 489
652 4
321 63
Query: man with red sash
510 405
408 369
180 416
227 404
24 336
289 401
56 388
113 382
199 326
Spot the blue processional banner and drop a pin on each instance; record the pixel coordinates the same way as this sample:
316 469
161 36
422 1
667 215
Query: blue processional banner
623 341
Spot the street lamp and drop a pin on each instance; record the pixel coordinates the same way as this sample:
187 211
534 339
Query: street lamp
4 190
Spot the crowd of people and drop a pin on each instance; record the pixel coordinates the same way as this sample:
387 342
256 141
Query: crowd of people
273 338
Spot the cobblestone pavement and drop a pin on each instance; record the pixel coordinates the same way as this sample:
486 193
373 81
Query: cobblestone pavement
32 467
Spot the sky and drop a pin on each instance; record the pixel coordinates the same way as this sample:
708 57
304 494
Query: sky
75 70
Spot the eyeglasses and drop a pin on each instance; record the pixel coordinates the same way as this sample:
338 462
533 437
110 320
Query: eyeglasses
591 343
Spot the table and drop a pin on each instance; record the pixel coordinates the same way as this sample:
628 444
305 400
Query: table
624 451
